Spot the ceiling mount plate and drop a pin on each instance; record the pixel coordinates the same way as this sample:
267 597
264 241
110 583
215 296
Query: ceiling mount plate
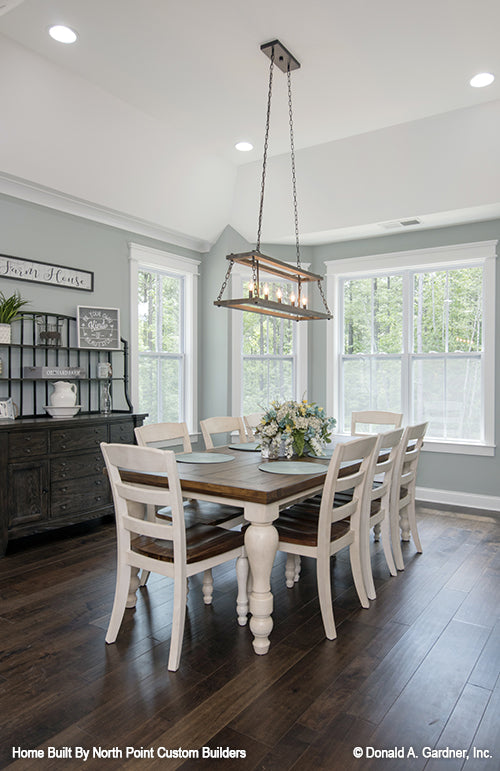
282 57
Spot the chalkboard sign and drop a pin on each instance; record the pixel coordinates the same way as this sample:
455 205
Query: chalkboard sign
98 328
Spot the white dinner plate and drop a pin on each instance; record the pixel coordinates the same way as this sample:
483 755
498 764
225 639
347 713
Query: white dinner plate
247 446
293 467
203 457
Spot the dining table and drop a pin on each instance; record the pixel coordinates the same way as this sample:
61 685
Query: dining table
243 478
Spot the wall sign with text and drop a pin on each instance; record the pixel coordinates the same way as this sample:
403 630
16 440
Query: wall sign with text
45 273
98 328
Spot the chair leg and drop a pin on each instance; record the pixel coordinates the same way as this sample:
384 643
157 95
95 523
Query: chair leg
386 545
357 574
178 621
396 540
412 519
290 570
297 568
144 577
242 598
119 603
404 524
366 563
208 587
325 597
376 532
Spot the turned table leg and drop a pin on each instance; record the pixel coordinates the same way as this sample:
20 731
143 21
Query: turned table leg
261 543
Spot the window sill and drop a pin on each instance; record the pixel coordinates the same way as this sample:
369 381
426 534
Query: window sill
453 448
458 448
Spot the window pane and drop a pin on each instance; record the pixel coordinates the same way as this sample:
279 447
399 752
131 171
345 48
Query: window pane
466 309
387 314
147 309
170 390
357 316
447 393
448 310
171 314
148 388
265 381
371 383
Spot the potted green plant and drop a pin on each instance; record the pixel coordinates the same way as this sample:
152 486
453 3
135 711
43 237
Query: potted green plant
9 312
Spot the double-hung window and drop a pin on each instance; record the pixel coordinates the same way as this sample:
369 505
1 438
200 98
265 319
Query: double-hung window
415 334
163 323
269 353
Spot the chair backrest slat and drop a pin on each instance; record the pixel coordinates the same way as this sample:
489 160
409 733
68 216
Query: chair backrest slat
222 425
153 434
374 418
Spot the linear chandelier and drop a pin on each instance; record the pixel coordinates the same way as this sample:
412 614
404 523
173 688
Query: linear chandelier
297 305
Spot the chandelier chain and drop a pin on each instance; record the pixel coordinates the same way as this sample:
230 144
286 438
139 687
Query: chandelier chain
266 142
292 154
320 287
226 279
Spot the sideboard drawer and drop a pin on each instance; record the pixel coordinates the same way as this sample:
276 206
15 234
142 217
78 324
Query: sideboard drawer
65 439
122 433
73 495
28 444
76 466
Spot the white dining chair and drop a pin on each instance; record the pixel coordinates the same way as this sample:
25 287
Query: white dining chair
164 547
251 422
336 527
222 425
377 419
403 517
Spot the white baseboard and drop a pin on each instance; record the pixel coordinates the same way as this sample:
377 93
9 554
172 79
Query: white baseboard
454 498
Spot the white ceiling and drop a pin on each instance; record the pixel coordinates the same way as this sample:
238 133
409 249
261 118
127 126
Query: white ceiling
188 78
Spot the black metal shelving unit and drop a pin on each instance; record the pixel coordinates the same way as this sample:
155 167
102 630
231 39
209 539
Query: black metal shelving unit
41 339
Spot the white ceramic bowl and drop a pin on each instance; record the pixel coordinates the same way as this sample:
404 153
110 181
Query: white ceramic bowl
63 412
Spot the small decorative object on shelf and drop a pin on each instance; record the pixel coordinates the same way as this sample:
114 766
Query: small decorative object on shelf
49 331
105 396
9 312
294 428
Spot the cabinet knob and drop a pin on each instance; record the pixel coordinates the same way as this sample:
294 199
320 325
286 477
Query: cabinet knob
44 490
27 450
98 482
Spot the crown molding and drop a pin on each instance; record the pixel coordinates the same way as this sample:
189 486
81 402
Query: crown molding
32 192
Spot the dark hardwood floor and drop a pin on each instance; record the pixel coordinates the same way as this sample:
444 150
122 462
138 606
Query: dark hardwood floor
418 669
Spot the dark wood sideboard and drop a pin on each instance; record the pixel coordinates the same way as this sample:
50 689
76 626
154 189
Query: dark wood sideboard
52 471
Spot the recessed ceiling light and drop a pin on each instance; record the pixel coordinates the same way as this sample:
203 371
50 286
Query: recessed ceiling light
244 147
482 79
62 34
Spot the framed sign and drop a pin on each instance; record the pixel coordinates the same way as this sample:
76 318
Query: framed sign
45 273
98 328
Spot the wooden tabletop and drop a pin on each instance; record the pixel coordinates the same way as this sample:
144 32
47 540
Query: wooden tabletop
239 479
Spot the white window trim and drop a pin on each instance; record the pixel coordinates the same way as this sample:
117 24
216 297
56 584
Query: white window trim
481 252
238 275
145 256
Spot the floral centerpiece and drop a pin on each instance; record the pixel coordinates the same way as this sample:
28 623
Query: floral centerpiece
294 428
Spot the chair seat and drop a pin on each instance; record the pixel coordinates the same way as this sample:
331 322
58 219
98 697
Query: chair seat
304 531
204 513
202 542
